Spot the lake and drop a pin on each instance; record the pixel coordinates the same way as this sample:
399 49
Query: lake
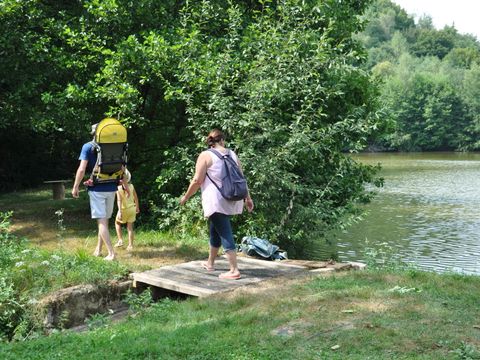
428 212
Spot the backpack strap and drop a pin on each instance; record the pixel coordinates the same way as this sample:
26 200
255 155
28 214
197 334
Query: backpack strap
95 148
219 154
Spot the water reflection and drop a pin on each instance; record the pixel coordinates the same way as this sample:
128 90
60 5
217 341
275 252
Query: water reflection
428 211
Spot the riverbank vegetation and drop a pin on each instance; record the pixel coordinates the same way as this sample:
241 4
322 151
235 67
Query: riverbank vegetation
30 273
356 315
430 80
47 245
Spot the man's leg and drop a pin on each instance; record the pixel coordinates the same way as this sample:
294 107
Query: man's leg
98 249
97 211
105 235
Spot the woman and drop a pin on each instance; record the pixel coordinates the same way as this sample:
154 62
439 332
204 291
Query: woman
217 209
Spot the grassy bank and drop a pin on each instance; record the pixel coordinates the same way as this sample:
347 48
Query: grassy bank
47 245
34 217
356 315
373 314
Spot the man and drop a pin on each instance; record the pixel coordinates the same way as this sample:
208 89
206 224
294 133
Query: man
102 197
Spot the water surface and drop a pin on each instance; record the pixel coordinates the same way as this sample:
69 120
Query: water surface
428 211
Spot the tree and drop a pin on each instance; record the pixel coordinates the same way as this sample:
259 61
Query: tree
284 85
282 78
471 97
431 42
423 72
428 110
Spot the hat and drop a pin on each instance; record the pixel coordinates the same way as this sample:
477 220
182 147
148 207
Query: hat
94 127
127 176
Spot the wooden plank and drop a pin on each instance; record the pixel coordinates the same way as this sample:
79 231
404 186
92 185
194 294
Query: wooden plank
192 279
252 269
186 277
309 263
210 280
173 285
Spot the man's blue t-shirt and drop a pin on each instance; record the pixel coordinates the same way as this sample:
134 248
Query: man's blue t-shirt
89 154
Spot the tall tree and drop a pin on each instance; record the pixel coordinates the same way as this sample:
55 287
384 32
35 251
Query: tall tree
285 85
283 78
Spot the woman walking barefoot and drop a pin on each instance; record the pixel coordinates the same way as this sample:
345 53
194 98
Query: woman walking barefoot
216 208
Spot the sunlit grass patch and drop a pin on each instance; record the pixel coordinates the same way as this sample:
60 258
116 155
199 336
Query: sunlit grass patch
35 217
32 195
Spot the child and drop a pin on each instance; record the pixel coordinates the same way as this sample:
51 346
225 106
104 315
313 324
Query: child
128 207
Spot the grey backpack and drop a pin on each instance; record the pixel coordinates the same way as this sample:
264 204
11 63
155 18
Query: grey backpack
234 186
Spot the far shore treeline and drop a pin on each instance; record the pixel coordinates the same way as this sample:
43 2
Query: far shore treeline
296 86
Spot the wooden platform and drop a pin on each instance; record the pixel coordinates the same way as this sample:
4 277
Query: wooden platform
192 279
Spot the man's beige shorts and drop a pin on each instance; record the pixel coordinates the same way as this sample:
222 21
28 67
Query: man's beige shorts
101 204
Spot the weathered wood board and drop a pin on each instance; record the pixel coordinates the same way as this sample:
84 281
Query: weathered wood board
192 279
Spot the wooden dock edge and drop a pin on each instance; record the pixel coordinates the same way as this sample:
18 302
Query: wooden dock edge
196 288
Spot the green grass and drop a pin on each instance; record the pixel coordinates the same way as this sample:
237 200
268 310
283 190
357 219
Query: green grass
391 314
47 245
304 319
34 218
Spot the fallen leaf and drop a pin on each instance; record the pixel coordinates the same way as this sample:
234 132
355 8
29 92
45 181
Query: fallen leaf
335 347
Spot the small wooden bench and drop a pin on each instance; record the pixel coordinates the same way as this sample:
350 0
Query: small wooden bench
58 188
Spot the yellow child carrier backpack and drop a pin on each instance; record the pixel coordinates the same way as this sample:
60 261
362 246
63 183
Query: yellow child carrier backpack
111 146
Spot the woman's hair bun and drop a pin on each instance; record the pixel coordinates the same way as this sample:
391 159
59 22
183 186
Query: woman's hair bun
214 137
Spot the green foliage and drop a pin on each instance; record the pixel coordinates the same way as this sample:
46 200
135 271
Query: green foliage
385 257
430 115
10 309
138 302
431 42
471 97
284 86
426 81
385 19
466 351
96 321
283 79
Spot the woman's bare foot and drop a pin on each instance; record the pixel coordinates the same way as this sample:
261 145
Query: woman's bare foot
97 252
109 257
207 266
129 248
119 243
230 275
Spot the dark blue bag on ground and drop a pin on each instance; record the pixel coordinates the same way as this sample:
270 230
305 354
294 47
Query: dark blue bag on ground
234 185
253 246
